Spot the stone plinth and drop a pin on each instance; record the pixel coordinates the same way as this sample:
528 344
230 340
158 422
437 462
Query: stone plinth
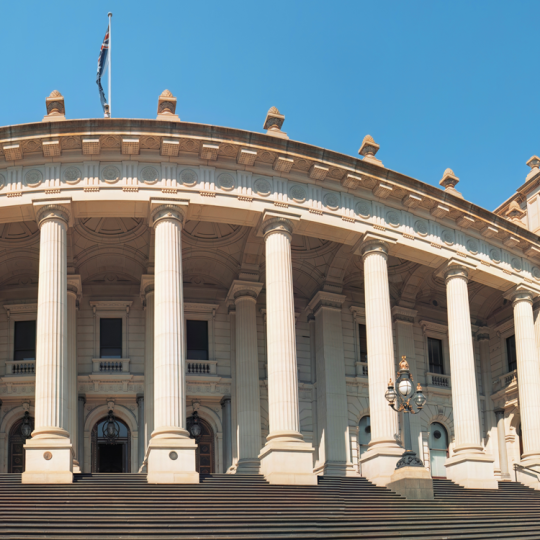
472 470
412 483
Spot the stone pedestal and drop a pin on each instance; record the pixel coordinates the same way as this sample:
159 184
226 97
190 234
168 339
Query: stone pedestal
379 461
501 437
412 483
286 458
171 453
469 466
49 453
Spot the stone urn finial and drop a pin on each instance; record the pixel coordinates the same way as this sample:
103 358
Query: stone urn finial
449 182
273 122
534 164
167 107
368 150
56 110
515 213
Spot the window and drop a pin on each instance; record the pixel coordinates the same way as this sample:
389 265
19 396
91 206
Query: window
511 354
25 340
363 342
435 356
197 340
110 338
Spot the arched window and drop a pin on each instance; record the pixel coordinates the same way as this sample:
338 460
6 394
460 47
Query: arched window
111 458
16 450
438 450
364 433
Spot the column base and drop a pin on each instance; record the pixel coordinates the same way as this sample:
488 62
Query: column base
529 478
172 461
413 483
248 466
288 463
472 471
76 467
379 464
48 461
332 468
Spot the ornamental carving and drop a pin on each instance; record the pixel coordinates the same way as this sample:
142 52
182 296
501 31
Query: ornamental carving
447 236
149 175
262 187
472 246
516 264
495 255
72 175
392 218
188 177
2 181
331 200
110 174
421 227
362 209
33 178
226 181
298 193
535 272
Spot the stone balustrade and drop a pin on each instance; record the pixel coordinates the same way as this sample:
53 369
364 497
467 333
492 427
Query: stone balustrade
21 367
110 365
201 367
437 379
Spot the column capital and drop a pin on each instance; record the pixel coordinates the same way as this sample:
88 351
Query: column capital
373 243
455 268
50 212
521 293
147 286
168 212
404 314
499 413
74 285
325 299
274 224
483 334
241 289
139 398
82 397
224 400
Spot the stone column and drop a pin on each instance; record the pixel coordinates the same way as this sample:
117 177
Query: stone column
528 376
503 455
286 458
140 430
248 405
234 422
487 386
379 461
332 414
227 439
469 466
81 401
49 453
171 455
147 293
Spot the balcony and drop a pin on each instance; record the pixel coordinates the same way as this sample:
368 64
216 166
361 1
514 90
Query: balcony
361 369
20 370
506 381
438 380
110 365
201 367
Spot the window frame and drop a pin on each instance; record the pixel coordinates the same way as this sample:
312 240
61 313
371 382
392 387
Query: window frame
508 366
103 318
19 312
111 309
202 312
441 352
191 319
437 331
35 340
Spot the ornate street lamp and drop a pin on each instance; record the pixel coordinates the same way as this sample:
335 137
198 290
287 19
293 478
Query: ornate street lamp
405 400
195 429
26 428
111 429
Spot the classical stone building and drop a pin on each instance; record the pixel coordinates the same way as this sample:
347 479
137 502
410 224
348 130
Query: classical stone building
167 275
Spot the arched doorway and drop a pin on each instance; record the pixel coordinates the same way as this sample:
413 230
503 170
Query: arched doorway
111 457
438 450
364 433
205 446
16 447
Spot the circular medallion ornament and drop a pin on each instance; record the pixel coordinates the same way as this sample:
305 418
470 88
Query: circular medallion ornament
392 218
516 264
262 187
173 455
447 237
331 200
47 456
535 272
72 175
226 181
298 194
472 246
495 255
2 181
362 209
421 227
188 177
33 178
110 174
149 175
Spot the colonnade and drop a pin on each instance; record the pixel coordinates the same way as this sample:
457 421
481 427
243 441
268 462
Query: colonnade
286 457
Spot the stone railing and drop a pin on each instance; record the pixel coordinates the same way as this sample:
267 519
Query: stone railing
110 365
505 380
361 369
21 367
436 379
201 367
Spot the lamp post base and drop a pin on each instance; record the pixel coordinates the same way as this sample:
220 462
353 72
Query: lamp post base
412 482
409 459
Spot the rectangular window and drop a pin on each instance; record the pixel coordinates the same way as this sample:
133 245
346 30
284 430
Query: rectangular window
435 356
511 353
25 340
197 340
363 342
110 338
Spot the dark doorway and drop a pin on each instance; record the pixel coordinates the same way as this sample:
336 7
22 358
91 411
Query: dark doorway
16 449
107 457
204 458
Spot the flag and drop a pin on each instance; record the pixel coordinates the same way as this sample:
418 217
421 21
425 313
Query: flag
103 59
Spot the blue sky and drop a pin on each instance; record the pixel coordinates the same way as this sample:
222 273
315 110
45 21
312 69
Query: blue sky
437 84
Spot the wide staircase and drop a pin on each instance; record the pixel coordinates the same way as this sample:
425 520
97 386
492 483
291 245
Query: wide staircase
125 506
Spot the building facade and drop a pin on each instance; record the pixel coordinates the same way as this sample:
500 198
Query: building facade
167 274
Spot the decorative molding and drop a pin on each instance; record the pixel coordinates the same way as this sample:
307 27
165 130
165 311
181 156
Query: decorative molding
404 314
324 299
431 326
20 308
110 305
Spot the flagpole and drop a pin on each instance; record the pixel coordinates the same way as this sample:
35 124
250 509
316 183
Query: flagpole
110 64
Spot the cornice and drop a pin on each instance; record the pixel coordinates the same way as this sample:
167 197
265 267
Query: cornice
325 299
